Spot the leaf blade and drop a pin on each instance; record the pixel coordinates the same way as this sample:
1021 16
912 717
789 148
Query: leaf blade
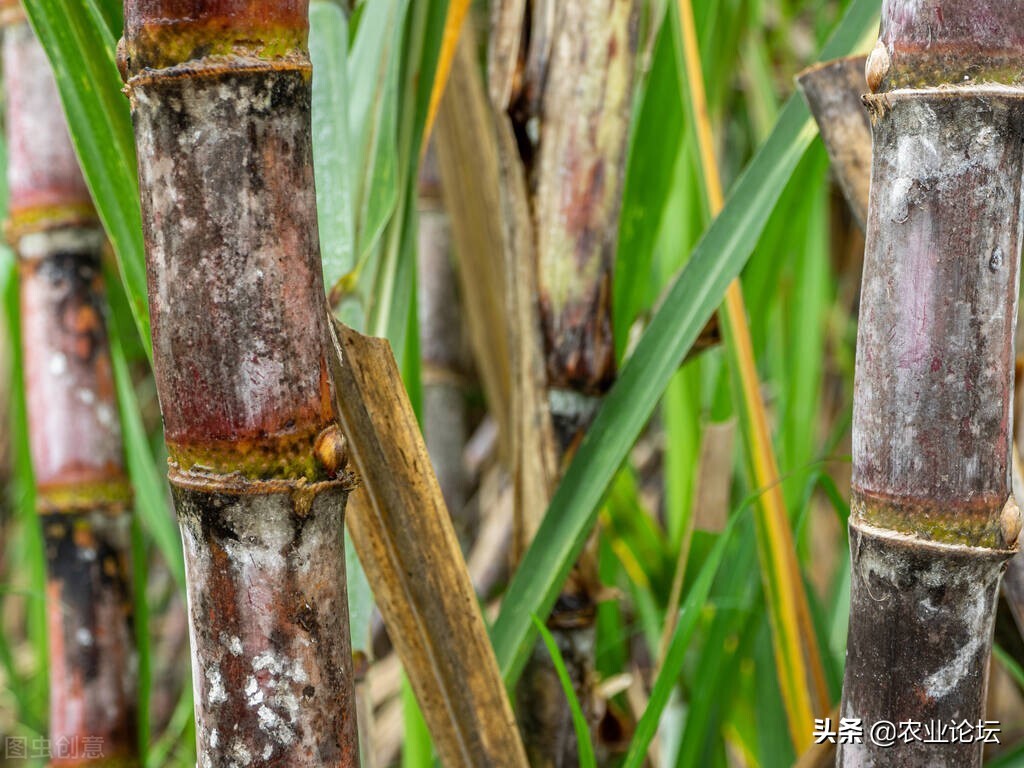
673 664
579 720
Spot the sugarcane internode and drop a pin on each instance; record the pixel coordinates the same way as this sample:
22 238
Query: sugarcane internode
82 492
933 521
220 96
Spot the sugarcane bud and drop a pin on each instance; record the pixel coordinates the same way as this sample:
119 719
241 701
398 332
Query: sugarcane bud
123 61
877 66
331 450
1010 522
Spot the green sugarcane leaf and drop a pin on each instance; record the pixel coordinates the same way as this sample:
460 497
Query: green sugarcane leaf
332 158
392 293
610 624
774 744
24 549
1011 758
80 46
110 12
1009 663
579 720
738 615
373 75
29 557
140 620
689 303
176 737
672 666
649 179
151 498
417 749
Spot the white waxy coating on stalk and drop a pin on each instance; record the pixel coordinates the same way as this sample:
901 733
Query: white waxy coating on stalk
264 551
889 570
217 693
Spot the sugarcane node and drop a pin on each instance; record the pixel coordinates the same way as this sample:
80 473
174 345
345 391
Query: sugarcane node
579 349
240 484
112 497
28 220
159 35
213 67
936 42
574 609
331 450
877 66
975 523
877 105
1010 523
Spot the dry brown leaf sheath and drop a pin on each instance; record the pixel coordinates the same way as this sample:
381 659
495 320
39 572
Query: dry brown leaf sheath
405 540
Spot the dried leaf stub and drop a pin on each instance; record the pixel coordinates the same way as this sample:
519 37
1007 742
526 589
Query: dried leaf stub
714 477
405 540
1013 579
833 91
567 97
534 450
503 67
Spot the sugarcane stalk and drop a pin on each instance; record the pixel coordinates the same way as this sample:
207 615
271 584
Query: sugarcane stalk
933 519
220 98
833 91
83 496
82 492
565 96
